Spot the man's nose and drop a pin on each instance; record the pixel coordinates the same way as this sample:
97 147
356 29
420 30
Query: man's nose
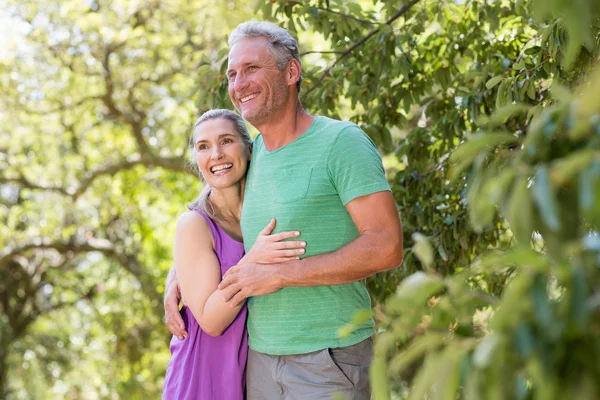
239 82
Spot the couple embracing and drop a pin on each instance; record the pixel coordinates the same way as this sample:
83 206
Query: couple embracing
268 285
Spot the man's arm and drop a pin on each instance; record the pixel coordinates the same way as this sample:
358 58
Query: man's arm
379 247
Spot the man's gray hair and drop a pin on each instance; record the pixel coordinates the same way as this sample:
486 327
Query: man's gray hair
281 44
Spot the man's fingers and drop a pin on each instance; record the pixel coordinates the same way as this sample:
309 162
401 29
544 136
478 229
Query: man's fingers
290 253
229 293
175 323
176 331
230 272
269 228
237 299
284 259
284 235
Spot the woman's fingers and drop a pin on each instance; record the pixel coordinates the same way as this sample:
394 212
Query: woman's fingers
290 244
269 228
284 235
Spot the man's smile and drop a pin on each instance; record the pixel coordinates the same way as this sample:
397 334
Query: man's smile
248 98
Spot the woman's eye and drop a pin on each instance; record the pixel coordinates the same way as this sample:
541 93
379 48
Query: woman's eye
227 141
202 147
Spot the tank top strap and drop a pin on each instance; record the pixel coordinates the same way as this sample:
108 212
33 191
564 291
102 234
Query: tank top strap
215 230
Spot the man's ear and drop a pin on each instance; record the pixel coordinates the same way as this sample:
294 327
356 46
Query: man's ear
294 71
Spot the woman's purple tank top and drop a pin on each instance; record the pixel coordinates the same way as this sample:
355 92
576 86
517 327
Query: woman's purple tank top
206 367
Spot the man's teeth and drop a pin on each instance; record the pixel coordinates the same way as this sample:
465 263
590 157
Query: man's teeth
245 99
221 167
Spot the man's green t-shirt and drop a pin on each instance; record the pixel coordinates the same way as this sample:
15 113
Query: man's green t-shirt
305 186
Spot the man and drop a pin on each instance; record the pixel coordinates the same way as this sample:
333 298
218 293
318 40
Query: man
325 179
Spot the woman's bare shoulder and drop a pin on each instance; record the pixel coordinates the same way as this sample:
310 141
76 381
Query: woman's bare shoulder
192 226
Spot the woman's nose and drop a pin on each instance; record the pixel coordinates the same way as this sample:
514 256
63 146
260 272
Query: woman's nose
217 153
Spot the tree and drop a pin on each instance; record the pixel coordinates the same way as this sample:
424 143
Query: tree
487 118
521 320
95 117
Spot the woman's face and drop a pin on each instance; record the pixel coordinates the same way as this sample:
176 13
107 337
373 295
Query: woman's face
221 154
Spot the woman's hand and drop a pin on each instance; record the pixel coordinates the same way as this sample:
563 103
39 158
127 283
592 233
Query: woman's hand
269 248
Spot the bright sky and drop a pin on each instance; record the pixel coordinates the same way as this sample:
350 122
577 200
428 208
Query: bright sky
11 31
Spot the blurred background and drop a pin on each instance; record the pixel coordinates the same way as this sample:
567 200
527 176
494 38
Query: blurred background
486 113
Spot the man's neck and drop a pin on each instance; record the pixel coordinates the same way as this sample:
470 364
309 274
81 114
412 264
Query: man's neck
285 128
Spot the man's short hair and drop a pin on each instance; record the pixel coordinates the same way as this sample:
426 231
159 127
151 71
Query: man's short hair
281 44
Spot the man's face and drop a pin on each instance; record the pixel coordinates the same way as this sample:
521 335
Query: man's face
257 88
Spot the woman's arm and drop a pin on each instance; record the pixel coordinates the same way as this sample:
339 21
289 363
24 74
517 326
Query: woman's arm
199 273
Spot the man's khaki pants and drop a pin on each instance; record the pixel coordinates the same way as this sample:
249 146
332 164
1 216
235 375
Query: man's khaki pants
340 373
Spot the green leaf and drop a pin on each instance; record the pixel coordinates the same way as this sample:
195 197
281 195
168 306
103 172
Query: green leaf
519 213
379 369
541 303
560 93
423 250
515 302
493 82
502 92
543 194
531 93
484 352
415 351
524 340
506 111
495 261
565 169
483 203
588 184
579 312
464 155
416 289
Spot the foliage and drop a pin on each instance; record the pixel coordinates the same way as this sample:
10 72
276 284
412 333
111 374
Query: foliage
486 114
94 119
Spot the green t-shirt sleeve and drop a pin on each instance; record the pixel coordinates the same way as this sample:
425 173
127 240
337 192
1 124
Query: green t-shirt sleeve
354 165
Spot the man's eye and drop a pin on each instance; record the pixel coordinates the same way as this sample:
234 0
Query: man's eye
252 68
231 77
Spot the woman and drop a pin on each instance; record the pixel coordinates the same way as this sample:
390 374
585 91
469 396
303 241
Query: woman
210 363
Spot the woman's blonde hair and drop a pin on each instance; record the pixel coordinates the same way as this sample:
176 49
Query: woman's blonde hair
203 202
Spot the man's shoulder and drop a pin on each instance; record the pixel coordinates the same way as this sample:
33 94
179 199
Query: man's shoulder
335 125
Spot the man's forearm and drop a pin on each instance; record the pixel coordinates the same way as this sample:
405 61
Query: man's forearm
363 257
171 280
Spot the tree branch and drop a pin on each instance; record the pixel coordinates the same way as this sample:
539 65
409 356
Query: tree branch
93 244
173 163
103 246
403 10
23 182
362 21
322 52
62 106
176 164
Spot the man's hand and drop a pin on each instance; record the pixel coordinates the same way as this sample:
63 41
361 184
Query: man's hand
247 280
171 303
